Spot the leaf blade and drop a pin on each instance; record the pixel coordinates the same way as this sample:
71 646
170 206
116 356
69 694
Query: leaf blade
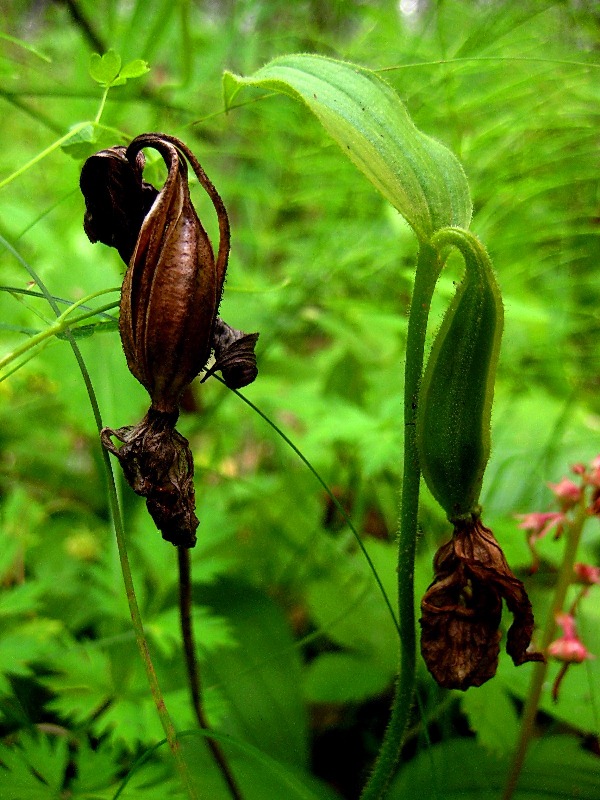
418 175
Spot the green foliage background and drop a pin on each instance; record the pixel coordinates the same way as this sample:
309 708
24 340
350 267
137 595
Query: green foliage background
297 648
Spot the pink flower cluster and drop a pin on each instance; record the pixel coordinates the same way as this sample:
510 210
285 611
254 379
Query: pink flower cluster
568 648
568 495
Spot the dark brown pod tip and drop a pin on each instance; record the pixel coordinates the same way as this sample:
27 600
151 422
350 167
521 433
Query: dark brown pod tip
460 640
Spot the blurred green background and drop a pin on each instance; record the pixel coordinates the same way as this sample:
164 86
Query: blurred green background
297 648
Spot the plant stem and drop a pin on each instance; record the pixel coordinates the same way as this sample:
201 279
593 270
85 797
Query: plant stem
54 146
161 708
329 493
565 578
187 632
61 325
428 268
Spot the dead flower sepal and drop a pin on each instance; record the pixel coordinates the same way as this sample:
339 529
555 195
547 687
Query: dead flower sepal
462 609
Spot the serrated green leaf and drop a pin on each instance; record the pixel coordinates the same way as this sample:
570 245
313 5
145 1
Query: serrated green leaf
20 599
274 718
104 69
16 776
366 118
48 757
96 768
35 769
134 69
83 681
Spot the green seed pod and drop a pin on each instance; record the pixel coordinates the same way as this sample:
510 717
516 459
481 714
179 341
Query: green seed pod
455 401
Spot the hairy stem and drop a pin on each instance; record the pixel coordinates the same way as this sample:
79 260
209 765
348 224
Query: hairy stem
572 535
187 632
428 268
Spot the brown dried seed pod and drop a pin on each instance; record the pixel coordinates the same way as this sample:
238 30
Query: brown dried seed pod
172 287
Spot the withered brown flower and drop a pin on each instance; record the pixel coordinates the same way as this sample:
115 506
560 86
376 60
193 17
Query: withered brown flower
168 321
460 640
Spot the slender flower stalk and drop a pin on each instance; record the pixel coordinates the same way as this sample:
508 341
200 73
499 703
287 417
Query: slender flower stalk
578 502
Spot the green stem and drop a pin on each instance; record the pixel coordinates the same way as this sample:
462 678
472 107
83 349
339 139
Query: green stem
61 325
572 535
102 104
54 146
163 714
428 268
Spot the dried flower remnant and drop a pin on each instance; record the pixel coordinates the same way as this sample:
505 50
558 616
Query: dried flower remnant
168 322
462 608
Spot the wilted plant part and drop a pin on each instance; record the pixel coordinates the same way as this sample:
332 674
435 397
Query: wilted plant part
460 640
158 465
168 322
463 606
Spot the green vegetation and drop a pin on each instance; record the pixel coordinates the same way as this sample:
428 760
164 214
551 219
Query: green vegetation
297 647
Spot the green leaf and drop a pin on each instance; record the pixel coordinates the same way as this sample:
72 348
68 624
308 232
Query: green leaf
82 143
36 768
344 677
134 69
557 768
105 69
265 698
366 118
492 715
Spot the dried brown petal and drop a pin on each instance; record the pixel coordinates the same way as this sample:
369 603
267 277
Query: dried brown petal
158 465
462 608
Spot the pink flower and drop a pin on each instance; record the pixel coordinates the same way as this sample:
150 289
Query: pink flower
567 493
568 648
586 574
540 523
594 476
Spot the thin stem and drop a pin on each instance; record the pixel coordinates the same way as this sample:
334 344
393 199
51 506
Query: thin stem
54 146
428 268
161 708
565 579
187 632
102 104
330 494
62 325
